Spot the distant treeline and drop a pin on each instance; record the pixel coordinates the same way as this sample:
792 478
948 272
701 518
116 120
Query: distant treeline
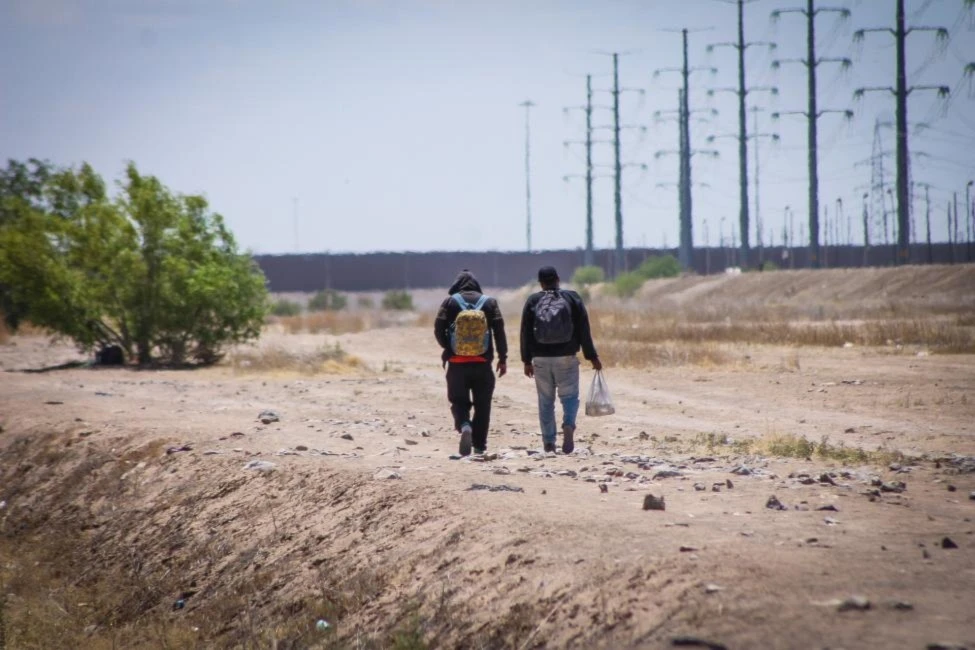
383 271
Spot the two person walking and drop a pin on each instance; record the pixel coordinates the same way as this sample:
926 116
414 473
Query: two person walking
554 327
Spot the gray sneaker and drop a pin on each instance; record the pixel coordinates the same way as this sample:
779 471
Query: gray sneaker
465 439
568 442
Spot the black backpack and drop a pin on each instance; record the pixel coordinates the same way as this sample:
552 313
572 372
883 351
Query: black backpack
553 318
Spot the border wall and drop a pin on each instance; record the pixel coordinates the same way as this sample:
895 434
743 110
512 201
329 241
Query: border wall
384 271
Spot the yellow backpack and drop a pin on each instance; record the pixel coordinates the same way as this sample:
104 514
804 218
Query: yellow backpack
470 335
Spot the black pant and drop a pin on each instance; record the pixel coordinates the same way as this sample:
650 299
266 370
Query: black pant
471 384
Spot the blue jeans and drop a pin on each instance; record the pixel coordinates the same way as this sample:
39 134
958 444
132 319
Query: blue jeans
561 375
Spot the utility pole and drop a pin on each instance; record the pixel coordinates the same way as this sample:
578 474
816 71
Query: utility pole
968 222
742 91
617 193
866 230
588 256
951 244
528 183
294 205
927 218
813 113
901 91
686 227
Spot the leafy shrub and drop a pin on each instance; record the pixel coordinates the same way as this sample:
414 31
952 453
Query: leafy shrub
586 275
328 300
365 302
665 266
285 307
151 271
769 265
627 284
398 300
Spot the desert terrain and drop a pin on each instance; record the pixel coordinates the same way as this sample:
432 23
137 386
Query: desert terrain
154 508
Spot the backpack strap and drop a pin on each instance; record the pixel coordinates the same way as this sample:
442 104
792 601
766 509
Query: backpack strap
480 301
459 299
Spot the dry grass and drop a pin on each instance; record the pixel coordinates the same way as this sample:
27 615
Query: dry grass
628 354
939 334
328 322
324 360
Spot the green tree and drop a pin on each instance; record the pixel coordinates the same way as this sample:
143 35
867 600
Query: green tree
627 284
154 272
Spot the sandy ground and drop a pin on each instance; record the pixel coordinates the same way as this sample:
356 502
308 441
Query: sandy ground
561 563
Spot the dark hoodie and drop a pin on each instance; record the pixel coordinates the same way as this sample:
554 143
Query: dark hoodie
469 288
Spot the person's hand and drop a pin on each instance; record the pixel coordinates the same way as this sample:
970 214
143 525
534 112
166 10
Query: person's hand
529 370
502 368
597 364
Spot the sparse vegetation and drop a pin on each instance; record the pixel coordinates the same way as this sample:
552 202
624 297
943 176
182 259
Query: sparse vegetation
627 284
365 302
795 446
398 301
663 266
328 300
285 308
586 275
326 322
326 359
647 355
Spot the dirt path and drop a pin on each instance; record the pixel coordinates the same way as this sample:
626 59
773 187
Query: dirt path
560 563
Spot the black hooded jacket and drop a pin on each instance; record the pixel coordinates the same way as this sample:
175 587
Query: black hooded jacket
469 288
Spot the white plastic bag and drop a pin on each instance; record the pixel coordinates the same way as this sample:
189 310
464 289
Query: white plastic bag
599 402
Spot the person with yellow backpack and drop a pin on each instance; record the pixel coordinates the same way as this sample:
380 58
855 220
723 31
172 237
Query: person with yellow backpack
469 327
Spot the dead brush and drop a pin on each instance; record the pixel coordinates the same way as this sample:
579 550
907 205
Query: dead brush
939 335
628 354
324 360
325 322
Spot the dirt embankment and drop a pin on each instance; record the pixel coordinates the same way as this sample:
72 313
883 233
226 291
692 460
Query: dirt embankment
138 509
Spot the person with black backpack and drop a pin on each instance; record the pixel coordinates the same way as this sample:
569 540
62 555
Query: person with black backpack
464 326
554 326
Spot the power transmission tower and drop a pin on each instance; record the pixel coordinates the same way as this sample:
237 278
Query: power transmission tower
589 258
969 215
742 91
686 228
528 184
901 91
813 113
755 135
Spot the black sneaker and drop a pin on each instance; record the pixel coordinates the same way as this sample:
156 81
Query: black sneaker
568 443
479 451
549 447
465 439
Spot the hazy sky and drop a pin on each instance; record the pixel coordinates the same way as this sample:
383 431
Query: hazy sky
396 124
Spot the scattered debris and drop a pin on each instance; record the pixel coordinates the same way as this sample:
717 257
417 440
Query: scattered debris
410 442
695 642
688 549
946 646
700 487
268 416
346 436
603 488
178 448
387 474
947 542
667 473
853 603
494 488
826 478
829 521
828 508
728 484
773 503
893 486
483 458
712 588
741 470
260 465
301 448
901 605
321 625
651 502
